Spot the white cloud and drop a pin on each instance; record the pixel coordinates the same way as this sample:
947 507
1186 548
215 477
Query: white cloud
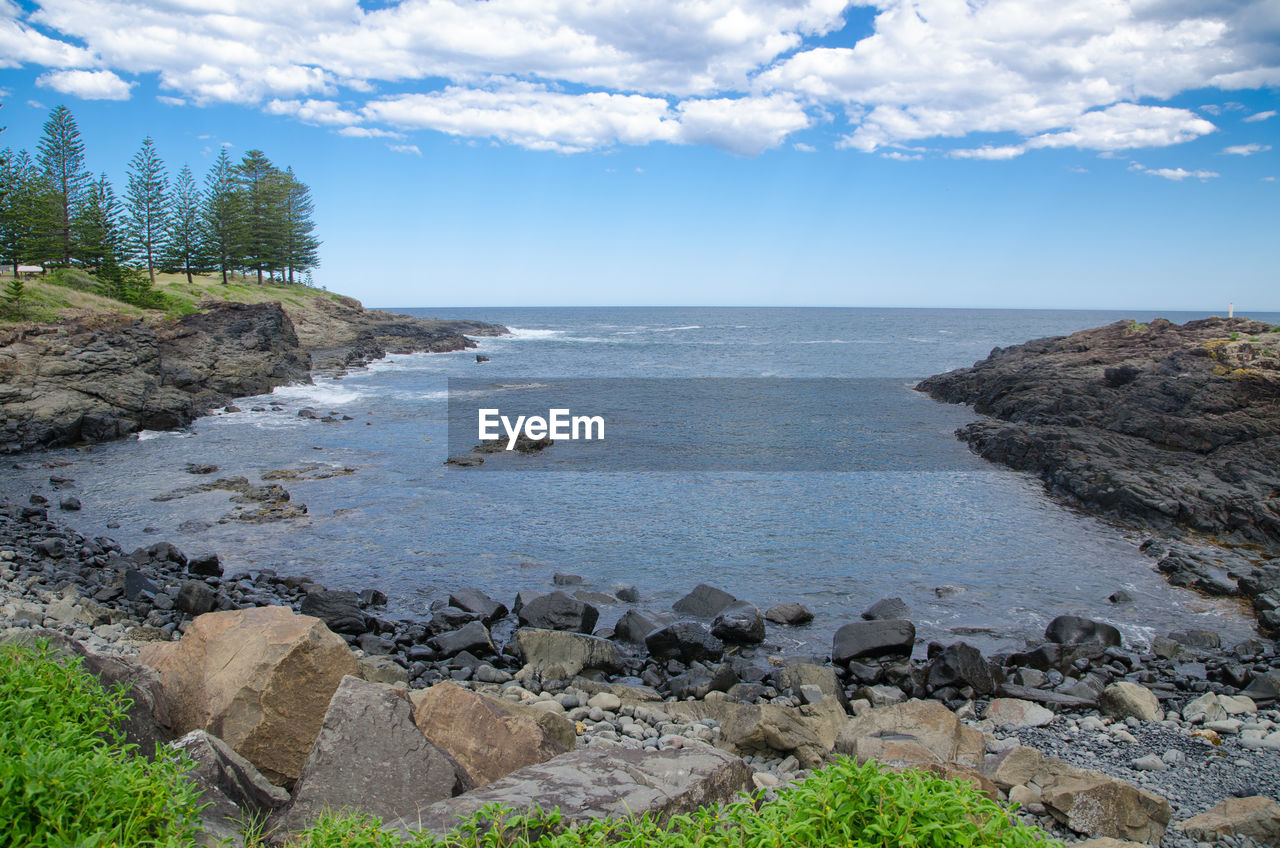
1261 116
1126 126
368 132
324 112
1246 149
1175 174
170 101
801 147
411 149
87 85
1008 151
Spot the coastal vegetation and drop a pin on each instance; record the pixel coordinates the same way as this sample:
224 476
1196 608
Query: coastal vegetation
250 217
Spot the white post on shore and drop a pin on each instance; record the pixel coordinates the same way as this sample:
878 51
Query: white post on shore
1231 310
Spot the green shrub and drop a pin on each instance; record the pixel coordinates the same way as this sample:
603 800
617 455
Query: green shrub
72 278
67 778
846 804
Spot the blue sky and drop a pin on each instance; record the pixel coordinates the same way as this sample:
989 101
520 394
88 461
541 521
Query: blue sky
1075 153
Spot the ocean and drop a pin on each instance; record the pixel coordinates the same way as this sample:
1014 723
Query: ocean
978 552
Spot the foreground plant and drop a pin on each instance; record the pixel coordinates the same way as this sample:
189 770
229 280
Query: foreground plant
844 804
67 777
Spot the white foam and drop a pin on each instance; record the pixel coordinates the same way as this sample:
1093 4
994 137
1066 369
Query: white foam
532 334
148 435
676 329
320 394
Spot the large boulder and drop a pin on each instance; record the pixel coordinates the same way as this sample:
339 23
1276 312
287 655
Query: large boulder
886 608
1124 700
486 738
260 679
591 784
1017 713
633 626
1093 804
1012 767
370 756
1256 817
961 665
558 611
686 641
882 638
558 655
472 637
791 613
474 601
1073 630
704 602
340 611
234 790
911 733
808 732
795 675
740 622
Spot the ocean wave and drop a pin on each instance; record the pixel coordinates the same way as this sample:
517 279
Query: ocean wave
531 334
676 329
319 394
148 435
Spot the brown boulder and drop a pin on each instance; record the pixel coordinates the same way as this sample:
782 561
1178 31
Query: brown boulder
1256 817
1094 804
911 733
1012 767
488 739
809 732
260 679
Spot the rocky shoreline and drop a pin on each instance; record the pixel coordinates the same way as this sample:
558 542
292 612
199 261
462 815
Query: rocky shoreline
101 377
1171 429
1153 724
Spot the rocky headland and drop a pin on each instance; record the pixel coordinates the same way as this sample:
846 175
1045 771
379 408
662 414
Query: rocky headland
1171 429
100 376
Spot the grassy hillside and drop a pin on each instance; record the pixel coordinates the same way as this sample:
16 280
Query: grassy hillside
72 294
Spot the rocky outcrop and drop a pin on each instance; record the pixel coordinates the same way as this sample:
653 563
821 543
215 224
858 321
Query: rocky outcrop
588 784
1160 425
911 733
1257 818
233 789
260 679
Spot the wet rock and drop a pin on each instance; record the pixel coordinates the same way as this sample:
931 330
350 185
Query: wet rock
205 565
687 641
70 503
886 608
560 655
703 602
739 622
633 627
1073 630
370 756
558 611
472 637
339 610
790 613
478 603
195 598
1124 699
871 639
961 665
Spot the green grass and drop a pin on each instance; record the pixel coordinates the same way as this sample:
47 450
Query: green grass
845 804
67 778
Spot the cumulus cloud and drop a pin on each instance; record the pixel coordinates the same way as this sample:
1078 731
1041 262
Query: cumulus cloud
1246 149
87 85
742 75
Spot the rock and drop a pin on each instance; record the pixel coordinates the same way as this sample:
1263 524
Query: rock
1124 699
478 603
1203 639
1017 713
1042 696
961 665
796 675
790 613
1120 596
859 639
698 681
472 637
1093 804
1108 842
70 503
1206 708
1256 817
704 602
558 611
1073 630
195 597
739 622
1151 762
382 669
487 739
1264 688
558 727
236 790
558 655
632 627
886 608
1012 767
808 732
370 756
259 678
562 579
340 611
588 784
910 733
1237 704
627 594
686 641
205 565
372 598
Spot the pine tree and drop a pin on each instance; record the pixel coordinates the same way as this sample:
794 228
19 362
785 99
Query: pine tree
185 241
302 248
222 219
27 211
147 204
97 226
262 188
62 162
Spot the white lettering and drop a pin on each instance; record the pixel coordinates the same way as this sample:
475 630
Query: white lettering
559 424
559 420
488 418
588 422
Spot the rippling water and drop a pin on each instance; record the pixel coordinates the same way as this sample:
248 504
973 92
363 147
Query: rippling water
1011 556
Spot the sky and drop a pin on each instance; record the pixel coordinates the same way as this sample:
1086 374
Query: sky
988 153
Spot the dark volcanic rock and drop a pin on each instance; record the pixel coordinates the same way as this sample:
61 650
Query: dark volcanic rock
340 611
558 611
961 665
886 608
1073 630
633 627
703 602
789 613
686 641
739 622
858 639
474 601
473 638
195 598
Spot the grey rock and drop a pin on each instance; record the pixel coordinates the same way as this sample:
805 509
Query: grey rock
559 655
790 613
558 611
858 639
633 626
196 597
703 602
686 641
739 622
230 783
474 601
472 637
886 608
1073 630
340 611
